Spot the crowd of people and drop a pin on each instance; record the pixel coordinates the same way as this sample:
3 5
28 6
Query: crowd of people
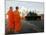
14 20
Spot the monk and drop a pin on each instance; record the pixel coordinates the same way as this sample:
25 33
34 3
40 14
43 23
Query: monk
10 24
17 20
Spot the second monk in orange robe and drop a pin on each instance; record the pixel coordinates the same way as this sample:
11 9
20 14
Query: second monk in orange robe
17 20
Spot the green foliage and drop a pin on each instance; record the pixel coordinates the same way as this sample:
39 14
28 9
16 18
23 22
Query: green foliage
32 14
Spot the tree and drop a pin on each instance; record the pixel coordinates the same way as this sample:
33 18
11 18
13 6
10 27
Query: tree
31 16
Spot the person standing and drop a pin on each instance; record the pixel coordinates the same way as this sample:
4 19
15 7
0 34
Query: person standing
18 24
10 20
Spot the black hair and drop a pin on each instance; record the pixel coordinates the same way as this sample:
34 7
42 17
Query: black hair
10 7
17 7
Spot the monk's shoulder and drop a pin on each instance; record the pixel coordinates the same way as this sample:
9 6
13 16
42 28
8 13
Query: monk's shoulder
8 12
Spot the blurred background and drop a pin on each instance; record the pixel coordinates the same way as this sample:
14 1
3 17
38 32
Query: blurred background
32 13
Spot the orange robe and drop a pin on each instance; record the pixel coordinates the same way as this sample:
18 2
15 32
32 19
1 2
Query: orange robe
10 24
17 21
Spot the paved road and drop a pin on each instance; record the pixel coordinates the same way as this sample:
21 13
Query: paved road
33 26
